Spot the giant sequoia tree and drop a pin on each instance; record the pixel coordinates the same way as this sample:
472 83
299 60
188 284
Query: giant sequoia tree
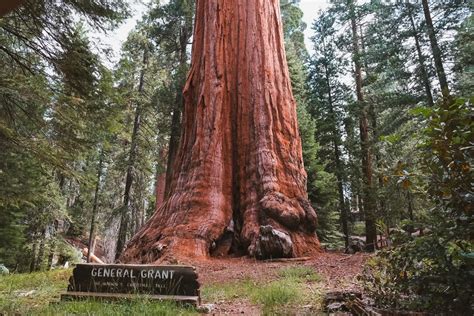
238 181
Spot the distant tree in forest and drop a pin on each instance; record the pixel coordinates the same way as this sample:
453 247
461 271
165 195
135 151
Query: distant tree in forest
328 99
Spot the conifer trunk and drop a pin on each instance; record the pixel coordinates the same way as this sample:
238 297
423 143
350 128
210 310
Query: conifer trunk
42 245
336 137
421 59
132 156
95 204
369 203
437 56
239 167
34 252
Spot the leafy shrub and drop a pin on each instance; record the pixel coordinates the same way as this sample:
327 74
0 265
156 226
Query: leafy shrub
432 272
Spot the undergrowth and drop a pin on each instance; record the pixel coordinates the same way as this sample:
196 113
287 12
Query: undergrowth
295 286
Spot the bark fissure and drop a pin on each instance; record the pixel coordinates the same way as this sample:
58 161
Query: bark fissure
239 172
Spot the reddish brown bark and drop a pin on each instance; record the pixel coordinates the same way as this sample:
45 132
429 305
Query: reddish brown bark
160 189
7 6
239 168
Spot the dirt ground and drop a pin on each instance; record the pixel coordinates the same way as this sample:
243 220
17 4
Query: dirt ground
338 272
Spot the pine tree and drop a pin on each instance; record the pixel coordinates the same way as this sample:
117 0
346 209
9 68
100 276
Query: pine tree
327 105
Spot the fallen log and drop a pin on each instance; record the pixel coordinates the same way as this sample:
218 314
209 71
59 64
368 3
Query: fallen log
93 257
288 259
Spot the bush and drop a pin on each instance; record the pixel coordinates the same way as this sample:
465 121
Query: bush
426 273
432 272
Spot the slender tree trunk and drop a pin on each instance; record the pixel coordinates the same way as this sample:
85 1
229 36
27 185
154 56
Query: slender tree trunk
337 158
139 215
52 250
411 216
239 165
160 176
369 205
378 204
34 251
342 202
437 56
39 258
94 205
421 59
125 214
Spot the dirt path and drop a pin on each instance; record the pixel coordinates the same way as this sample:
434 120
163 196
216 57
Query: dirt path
337 271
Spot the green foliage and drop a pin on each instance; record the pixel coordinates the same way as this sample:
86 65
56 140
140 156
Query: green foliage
126 307
26 293
275 295
465 60
423 273
358 228
56 105
430 272
300 272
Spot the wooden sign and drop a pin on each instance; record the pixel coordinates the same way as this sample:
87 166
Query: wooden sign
118 281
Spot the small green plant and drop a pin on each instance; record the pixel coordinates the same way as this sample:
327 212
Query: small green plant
276 295
358 228
228 291
300 272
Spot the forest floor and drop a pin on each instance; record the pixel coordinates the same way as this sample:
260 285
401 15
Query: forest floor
251 287
233 286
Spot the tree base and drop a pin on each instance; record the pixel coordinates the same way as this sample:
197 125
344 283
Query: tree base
271 243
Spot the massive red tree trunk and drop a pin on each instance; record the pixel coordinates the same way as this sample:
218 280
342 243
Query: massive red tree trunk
238 174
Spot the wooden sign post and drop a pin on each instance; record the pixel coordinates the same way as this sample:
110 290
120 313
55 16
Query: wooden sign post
124 281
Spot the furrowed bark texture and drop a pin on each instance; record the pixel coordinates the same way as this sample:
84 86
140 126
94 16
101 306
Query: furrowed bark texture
239 171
